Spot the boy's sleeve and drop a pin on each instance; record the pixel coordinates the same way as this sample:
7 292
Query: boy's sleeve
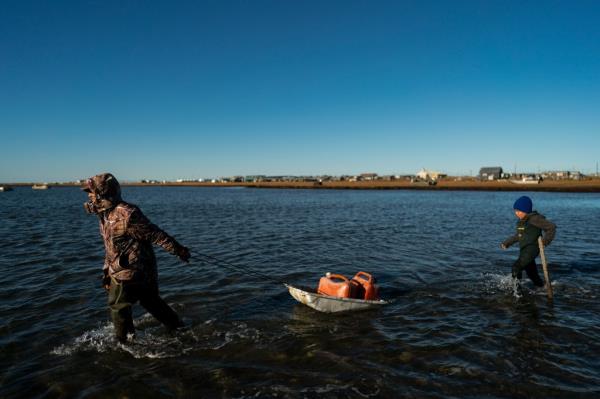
510 241
547 226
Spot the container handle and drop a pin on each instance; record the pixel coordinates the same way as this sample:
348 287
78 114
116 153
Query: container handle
339 277
362 275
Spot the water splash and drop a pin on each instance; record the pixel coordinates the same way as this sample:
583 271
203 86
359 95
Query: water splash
154 343
501 283
100 340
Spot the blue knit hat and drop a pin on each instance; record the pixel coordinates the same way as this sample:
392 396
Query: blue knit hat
523 204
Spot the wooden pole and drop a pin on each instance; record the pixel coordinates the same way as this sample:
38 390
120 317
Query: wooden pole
545 267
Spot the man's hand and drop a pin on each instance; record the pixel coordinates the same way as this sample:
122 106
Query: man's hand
106 281
183 253
503 246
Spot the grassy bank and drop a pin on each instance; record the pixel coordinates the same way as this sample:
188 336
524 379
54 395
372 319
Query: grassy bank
589 185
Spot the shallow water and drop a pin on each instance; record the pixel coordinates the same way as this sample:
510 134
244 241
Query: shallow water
458 327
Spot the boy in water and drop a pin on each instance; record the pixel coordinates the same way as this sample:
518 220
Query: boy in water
529 228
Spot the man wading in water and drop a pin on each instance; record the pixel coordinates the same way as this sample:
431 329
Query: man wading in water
130 273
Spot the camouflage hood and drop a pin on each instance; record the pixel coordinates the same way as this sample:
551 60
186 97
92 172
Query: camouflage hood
107 190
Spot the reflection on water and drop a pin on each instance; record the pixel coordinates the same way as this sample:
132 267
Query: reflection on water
458 326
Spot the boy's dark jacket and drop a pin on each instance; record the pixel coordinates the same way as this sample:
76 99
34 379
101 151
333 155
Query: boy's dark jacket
528 231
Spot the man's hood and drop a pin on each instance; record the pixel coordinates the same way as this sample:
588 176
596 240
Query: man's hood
107 189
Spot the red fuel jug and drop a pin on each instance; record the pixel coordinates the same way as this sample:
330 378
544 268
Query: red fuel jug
337 285
367 282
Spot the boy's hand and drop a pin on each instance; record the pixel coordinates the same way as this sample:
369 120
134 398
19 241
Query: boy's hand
503 246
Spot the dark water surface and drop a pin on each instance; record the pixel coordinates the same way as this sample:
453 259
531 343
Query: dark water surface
457 327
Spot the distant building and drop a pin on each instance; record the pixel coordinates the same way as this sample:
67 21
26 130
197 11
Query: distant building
562 175
309 179
255 178
405 177
576 175
425 174
368 176
490 173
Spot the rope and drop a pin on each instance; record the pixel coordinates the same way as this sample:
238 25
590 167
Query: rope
220 263
212 260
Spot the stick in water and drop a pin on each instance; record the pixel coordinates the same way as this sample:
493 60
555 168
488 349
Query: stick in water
545 267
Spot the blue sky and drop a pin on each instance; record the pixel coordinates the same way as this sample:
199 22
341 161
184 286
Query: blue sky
150 89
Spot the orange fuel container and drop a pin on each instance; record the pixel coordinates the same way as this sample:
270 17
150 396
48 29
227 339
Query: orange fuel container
368 289
337 285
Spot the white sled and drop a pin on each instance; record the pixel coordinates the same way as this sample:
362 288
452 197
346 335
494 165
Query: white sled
331 304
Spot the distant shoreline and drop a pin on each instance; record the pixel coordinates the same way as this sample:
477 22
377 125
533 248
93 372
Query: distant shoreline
569 186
